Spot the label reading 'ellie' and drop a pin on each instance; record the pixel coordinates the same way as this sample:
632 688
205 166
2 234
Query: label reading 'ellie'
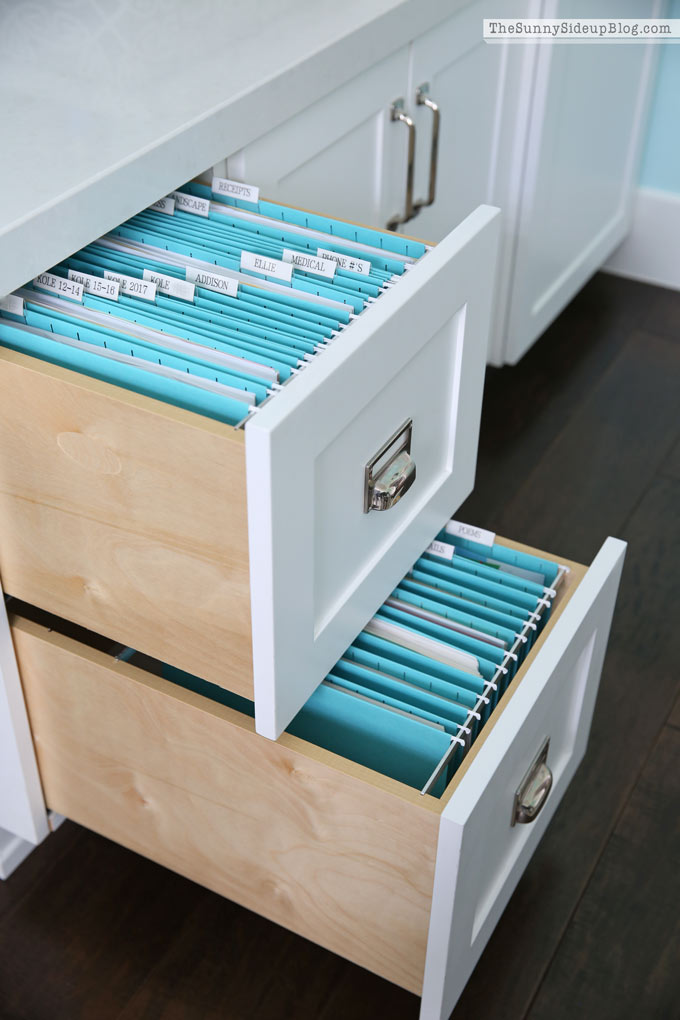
170 286
310 263
165 205
191 203
132 286
96 285
213 281
235 189
60 286
352 265
266 266
479 535
441 549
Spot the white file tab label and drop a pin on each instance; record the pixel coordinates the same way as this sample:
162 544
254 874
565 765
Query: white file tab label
164 205
234 189
59 286
266 266
461 530
171 286
132 286
441 549
191 203
213 281
13 305
96 285
352 265
310 263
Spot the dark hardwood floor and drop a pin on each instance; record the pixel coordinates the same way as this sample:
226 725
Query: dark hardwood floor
579 441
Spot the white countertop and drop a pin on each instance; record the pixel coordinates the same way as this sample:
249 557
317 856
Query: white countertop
108 104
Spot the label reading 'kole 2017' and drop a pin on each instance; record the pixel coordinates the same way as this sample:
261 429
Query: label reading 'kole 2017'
132 286
479 535
213 281
235 189
266 266
308 262
60 286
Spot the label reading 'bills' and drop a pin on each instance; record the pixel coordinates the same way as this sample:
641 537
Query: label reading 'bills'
441 549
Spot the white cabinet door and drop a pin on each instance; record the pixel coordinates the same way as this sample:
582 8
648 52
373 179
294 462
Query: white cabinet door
582 153
341 154
467 80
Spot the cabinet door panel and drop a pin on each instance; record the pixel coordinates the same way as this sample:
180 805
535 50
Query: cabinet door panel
581 166
341 154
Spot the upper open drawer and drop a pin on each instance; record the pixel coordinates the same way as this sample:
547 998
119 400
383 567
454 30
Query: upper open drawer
132 516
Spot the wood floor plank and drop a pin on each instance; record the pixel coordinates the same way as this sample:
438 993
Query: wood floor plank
88 932
619 957
639 686
591 477
526 405
671 465
674 717
662 314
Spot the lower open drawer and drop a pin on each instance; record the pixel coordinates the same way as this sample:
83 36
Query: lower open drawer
407 885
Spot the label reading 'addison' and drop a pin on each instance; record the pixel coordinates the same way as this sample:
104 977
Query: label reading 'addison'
441 549
165 205
234 189
170 286
60 286
191 203
133 287
346 261
266 266
213 281
310 263
95 285
461 530
13 305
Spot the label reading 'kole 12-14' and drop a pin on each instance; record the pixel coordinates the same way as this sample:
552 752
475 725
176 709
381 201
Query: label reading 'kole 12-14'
60 286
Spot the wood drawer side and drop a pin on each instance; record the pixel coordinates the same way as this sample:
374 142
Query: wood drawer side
126 516
190 785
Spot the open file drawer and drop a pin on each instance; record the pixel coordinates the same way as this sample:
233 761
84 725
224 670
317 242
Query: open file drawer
246 556
409 886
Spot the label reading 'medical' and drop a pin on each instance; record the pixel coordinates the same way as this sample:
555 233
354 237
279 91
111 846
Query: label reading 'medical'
170 286
441 549
310 263
461 530
352 265
133 287
60 286
191 203
267 266
164 205
213 281
96 285
13 305
234 189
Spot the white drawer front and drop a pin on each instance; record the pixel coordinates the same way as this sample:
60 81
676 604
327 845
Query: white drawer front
319 565
480 856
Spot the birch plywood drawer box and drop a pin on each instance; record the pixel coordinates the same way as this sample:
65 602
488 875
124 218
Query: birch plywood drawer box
407 885
250 556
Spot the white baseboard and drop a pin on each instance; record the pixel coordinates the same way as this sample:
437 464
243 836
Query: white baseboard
14 849
651 252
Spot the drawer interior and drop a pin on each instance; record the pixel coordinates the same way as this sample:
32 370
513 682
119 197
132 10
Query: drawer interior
316 842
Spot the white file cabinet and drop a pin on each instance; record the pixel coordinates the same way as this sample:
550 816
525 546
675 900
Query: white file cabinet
246 558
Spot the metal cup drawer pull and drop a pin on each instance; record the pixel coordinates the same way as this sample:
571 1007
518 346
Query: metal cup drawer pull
533 791
391 472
